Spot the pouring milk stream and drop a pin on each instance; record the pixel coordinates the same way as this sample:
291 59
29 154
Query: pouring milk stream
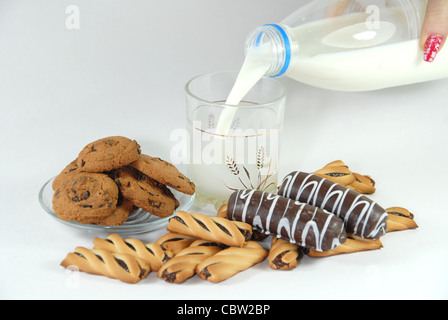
368 45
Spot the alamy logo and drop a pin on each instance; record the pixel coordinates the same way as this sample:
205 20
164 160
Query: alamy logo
243 146
373 20
72 279
72 22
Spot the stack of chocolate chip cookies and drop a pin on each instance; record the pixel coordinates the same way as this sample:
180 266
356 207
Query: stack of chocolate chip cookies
110 178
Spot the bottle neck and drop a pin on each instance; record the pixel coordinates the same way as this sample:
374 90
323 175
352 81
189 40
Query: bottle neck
416 10
274 37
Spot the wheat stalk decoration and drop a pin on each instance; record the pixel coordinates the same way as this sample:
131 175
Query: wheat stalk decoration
233 167
260 158
262 183
211 121
235 124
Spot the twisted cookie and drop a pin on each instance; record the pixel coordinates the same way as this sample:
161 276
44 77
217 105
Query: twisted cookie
400 219
283 254
152 253
231 261
113 265
182 267
256 235
222 211
174 242
338 171
231 233
353 244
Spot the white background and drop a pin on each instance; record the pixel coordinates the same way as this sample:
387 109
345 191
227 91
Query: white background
123 73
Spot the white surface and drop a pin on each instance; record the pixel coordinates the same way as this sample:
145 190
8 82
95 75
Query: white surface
123 72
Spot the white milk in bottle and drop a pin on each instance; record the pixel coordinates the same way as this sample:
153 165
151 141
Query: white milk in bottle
345 45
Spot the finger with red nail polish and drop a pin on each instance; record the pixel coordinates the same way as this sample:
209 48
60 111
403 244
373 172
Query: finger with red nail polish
432 47
434 29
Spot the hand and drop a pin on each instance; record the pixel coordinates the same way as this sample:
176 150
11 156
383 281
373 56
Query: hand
435 28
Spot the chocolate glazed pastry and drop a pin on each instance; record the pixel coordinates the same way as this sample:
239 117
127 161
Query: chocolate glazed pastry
362 216
296 222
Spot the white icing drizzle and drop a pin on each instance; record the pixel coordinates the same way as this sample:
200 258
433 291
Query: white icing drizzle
244 197
247 195
366 206
287 180
274 199
284 222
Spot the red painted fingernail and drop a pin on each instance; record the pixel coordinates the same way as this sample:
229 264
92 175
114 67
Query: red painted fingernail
432 47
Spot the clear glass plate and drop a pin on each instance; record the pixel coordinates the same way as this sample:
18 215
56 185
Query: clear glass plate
139 221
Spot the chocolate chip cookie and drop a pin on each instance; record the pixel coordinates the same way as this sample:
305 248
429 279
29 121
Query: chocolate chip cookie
164 172
145 192
86 198
107 154
71 169
120 215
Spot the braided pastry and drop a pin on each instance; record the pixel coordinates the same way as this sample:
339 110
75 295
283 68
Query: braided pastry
337 171
174 242
400 219
283 254
353 244
222 211
152 253
182 267
231 261
222 230
256 235
363 184
113 265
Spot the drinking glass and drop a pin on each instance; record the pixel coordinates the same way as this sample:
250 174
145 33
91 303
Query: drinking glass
246 154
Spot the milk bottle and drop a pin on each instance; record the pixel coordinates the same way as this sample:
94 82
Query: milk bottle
345 45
